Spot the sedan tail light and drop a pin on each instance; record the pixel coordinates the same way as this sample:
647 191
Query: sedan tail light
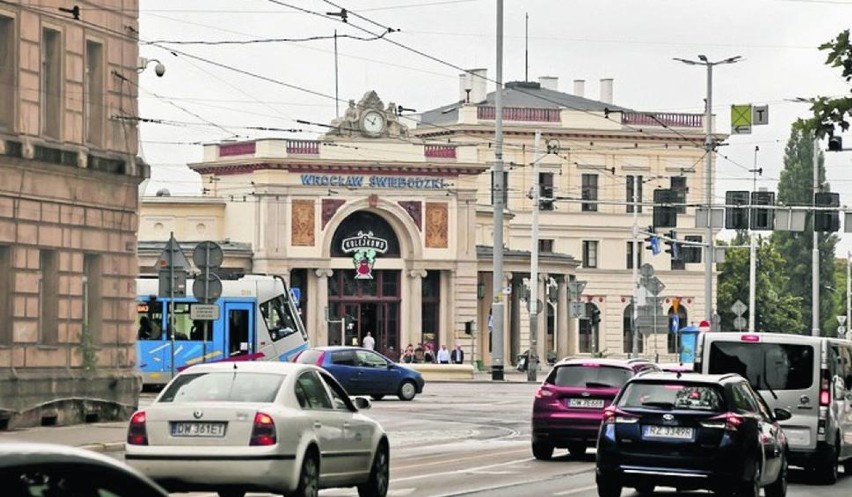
263 431
137 434
729 422
613 415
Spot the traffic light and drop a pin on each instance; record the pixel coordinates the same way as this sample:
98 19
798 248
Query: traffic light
468 327
665 214
835 144
652 241
673 244
596 316
736 218
762 219
826 220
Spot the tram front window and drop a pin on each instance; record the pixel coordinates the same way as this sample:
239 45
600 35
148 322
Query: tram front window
150 320
279 320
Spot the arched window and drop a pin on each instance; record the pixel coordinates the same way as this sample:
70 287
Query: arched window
627 329
363 223
673 337
589 326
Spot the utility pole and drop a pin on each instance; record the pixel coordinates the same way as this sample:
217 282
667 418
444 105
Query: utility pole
709 148
532 360
497 195
848 290
752 281
815 253
634 347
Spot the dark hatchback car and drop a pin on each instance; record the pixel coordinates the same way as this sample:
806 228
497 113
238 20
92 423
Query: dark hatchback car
365 372
569 404
692 431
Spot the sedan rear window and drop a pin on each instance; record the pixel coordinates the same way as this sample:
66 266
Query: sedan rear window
228 387
681 396
585 376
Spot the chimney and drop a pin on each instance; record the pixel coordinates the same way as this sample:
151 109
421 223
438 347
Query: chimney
464 87
579 87
479 85
549 82
606 90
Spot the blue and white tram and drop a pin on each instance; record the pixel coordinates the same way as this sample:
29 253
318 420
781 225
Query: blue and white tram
257 320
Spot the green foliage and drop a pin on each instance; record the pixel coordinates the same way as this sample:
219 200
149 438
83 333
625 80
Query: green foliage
777 311
830 113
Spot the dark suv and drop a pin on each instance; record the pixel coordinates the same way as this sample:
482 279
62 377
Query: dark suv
569 404
692 431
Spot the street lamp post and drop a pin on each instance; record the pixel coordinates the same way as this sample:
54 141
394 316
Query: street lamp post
709 147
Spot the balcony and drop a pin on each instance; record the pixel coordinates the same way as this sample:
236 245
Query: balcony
234 149
439 151
520 114
663 119
303 147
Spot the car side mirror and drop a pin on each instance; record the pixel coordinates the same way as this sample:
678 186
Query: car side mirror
390 365
362 402
782 414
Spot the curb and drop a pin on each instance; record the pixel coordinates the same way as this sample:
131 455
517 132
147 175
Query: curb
104 447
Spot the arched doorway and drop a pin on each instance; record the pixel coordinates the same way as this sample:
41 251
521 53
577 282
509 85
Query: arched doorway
627 332
673 338
588 330
366 296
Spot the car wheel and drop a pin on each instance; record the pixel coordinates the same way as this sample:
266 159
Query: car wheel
828 473
645 489
377 485
542 451
609 489
407 390
751 486
309 476
377 397
778 488
577 450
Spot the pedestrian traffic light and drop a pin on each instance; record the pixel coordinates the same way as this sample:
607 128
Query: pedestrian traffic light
826 220
665 212
835 144
736 218
673 245
652 241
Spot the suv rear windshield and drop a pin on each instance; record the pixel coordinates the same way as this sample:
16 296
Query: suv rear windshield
681 396
229 387
589 376
309 356
776 366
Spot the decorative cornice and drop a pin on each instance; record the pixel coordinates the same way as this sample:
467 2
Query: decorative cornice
387 168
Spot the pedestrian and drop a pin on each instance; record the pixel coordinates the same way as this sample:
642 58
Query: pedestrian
369 342
443 355
428 355
457 355
408 354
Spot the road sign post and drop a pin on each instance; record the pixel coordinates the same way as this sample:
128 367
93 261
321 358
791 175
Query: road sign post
207 286
172 266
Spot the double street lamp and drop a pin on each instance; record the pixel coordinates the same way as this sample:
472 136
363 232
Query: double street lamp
709 147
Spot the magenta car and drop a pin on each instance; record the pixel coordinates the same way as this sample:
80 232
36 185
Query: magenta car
569 405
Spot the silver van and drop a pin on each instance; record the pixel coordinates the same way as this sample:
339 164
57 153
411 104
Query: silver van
809 376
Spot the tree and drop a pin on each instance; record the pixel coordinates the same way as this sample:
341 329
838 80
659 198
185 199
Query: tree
777 311
832 112
795 189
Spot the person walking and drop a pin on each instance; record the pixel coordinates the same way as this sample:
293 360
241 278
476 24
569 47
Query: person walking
443 355
457 355
369 342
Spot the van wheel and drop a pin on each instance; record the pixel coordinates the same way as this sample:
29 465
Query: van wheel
542 451
828 473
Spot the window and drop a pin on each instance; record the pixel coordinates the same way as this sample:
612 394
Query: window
94 93
150 320
545 246
6 280
370 360
691 254
226 386
589 192
49 297
590 254
678 185
279 321
431 301
545 191
631 181
589 376
631 246
339 358
627 333
8 70
51 83
681 396
742 400
780 366
93 295
339 399
678 265
505 188
313 390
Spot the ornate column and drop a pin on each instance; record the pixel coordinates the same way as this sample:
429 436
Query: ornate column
563 348
319 325
411 312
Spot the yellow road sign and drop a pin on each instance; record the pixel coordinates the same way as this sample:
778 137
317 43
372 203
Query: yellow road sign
741 119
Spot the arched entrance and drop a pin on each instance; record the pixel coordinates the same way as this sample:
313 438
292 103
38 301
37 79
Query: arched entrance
366 296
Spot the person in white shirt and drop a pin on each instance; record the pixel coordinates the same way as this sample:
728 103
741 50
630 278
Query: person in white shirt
443 355
369 342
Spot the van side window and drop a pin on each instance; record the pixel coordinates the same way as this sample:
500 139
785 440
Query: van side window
844 364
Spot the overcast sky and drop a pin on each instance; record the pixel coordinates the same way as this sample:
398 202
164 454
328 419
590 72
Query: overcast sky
631 41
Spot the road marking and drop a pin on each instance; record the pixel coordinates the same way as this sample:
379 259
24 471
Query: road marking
576 490
454 457
461 471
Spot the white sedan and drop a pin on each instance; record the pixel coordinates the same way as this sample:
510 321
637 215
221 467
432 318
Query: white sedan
237 427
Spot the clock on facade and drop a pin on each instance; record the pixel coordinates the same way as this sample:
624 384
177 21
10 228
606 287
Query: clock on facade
373 123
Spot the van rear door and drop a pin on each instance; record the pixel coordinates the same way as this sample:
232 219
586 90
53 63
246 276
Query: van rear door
785 372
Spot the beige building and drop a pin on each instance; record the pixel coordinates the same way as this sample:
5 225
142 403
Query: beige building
385 223
68 212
